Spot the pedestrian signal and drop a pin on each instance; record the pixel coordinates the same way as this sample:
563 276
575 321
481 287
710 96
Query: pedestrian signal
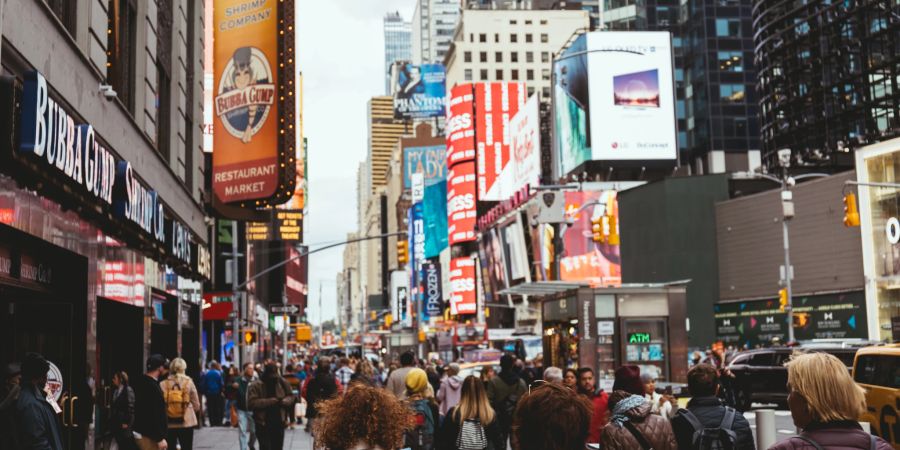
851 213
249 337
782 299
402 252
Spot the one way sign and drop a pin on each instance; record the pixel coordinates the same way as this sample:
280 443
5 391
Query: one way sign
284 309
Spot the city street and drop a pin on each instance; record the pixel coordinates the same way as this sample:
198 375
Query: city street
226 438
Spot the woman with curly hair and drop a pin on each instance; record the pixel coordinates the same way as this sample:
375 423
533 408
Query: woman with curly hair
340 426
365 374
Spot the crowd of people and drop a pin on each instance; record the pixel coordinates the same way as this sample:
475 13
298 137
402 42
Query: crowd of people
357 403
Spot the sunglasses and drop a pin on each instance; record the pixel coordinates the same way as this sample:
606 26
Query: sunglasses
537 384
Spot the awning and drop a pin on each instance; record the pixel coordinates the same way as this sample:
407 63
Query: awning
543 288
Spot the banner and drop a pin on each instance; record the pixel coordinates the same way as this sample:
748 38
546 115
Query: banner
435 206
253 149
419 90
584 259
495 106
434 301
430 161
524 167
461 211
463 298
460 127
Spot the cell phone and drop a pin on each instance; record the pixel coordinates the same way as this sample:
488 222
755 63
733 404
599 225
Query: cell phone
668 390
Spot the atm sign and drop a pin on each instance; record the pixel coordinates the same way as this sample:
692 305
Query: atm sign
638 338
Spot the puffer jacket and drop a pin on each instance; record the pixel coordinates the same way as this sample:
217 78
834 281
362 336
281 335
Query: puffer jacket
844 435
654 428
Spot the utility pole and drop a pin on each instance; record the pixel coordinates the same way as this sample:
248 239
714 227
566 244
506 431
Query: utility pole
235 296
320 312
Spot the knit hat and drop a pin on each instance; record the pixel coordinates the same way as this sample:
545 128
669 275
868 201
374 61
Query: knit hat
416 381
628 379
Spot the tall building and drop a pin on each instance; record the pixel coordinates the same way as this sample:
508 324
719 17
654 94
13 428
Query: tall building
433 24
510 45
828 77
384 132
397 44
93 279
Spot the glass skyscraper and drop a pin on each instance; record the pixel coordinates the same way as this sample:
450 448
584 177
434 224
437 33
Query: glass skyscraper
397 44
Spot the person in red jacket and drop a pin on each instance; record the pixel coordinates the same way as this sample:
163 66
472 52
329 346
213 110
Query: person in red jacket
599 399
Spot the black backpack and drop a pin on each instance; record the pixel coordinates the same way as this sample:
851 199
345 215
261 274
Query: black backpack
722 437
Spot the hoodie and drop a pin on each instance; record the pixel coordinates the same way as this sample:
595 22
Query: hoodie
449 392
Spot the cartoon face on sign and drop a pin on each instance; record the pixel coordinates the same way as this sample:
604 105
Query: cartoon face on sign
246 93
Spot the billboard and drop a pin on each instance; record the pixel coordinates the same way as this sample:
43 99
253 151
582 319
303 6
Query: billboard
434 300
419 90
400 304
584 259
495 106
614 99
253 102
524 167
435 205
460 128
461 211
431 161
463 298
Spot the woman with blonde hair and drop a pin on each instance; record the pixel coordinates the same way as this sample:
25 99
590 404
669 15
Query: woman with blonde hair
182 404
825 404
472 422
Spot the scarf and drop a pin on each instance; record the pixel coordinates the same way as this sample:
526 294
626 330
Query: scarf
618 413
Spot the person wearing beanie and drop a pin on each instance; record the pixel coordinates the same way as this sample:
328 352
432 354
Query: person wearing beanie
424 409
587 387
36 418
628 379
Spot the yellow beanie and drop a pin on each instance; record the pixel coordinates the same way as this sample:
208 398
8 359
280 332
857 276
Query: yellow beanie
416 381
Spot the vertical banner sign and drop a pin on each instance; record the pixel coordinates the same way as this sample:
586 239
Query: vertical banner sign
460 125
254 102
399 296
461 212
434 303
462 282
435 210
524 167
495 106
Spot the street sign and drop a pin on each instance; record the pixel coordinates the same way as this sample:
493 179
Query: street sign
284 309
552 207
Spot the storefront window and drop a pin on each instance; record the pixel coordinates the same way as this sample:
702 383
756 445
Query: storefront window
884 204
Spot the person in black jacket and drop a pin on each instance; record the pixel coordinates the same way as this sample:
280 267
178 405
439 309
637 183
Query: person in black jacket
121 412
150 420
321 387
9 395
36 420
703 384
473 405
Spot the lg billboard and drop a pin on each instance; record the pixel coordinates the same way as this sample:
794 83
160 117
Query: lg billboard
614 99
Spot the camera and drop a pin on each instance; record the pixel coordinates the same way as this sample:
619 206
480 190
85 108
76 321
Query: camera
108 92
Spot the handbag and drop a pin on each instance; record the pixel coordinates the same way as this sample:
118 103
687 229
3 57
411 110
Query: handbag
471 436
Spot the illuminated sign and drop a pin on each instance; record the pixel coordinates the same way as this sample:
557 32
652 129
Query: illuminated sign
638 338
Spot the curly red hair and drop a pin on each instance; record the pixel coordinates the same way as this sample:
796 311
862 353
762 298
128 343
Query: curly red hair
364 414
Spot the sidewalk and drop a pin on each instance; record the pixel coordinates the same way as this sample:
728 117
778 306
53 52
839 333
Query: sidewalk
223 438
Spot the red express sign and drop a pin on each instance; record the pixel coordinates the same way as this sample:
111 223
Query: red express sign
463 298
460 125
495 106
461 212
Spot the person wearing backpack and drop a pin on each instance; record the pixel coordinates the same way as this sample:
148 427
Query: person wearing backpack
425 412
182 404
471 424
826 404
632 427
707 423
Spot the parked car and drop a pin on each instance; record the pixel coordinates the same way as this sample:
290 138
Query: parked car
877 370
760 375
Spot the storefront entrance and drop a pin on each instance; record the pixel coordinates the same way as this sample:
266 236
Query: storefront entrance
120 348
43 306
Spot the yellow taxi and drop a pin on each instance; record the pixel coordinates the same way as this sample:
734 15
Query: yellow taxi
877 370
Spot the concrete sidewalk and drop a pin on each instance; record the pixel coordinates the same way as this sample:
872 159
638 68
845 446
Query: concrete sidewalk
223 438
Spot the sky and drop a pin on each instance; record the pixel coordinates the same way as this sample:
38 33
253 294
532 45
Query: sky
340 48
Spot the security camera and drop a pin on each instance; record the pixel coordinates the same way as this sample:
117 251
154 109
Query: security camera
784 157
108 92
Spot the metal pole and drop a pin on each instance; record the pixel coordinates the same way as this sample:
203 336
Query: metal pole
320 313
789 308
284 346
765 428
235 297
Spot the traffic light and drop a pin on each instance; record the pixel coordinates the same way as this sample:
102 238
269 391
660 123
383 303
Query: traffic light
597 229
613 238
249 337
851 214
782 299
402 252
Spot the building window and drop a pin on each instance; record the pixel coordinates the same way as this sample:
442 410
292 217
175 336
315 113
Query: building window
545 57
728 27
514 57
121 50
467 57
544 22
513 22
545 38
483 74
529 74
164 17
529 57
471 37
513 38
482 57
731 92
514 75
528 22
545 92
528 38
497 37
545 74
530 91
498 57
65 12
499 73
731 61
482 37
467 74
